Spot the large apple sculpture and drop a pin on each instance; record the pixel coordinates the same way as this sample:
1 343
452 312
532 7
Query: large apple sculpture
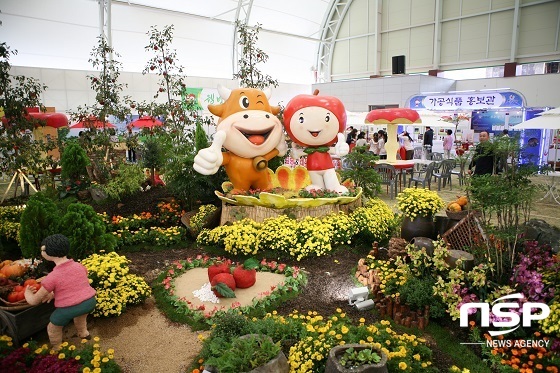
316 123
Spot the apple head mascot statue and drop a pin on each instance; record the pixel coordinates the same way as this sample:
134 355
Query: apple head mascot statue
251 135
316 123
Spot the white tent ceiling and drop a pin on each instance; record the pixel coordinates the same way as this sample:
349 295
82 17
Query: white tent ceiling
62 33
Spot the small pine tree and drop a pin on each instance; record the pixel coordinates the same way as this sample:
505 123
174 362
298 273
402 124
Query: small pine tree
38 220
73 162
85 231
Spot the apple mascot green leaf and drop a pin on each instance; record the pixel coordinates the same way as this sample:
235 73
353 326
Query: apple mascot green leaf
223 285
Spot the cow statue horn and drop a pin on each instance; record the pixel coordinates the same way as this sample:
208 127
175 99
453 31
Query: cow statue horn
267 92
224 92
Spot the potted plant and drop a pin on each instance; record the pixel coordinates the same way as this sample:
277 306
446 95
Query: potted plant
356 358
253 353
418 207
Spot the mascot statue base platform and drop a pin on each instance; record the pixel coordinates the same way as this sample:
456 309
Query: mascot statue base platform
284 199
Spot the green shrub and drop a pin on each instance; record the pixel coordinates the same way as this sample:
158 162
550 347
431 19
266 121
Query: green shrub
359 168
245 354
38 220
86 231
73 162
153 155
419 293
127 182
10 217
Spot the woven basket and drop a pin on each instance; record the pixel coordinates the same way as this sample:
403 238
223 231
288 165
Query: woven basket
16 306
457 215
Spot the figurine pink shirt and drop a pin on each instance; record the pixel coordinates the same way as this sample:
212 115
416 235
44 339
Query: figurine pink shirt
317 123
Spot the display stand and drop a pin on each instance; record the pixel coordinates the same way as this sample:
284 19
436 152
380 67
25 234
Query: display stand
20 324
20 175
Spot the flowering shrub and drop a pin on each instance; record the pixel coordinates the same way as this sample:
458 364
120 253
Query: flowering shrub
199 219
9 221
375 221
201 317
242 237
32 357
343 226
551 325
309 236
116 287
415 202
313 238
405 352
511 357
537 272
278 233
169 213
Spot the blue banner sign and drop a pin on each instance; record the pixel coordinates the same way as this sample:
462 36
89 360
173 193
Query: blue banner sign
468 101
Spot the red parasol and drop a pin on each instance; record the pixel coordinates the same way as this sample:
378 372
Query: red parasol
92 122
55 120
393 116
146 122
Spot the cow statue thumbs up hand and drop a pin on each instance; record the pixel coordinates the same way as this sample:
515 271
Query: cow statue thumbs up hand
209 160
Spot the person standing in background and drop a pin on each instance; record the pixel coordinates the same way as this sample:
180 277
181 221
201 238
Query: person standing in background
351 138
374 144
361 139
448 144
407 144
428 140
483 160
382 141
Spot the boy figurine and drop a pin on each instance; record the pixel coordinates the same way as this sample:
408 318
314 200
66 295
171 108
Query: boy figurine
68 284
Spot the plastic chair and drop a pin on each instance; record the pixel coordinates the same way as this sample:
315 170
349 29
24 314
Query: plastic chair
388 175
437 156
418 150
444 173
422 176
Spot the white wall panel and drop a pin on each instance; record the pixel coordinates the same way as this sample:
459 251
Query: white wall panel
474 33
340 61
501 26
475 6
396 14
421 46
358 54
372 53
422 11
397 46
538 28
358 16
501 4
449 42
451 8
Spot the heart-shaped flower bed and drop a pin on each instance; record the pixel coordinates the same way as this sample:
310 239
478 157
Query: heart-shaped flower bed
173 290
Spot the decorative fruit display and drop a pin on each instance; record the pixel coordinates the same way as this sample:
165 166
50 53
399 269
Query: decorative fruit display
14 292
13 269
223 285
245 275
217 268
461 203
